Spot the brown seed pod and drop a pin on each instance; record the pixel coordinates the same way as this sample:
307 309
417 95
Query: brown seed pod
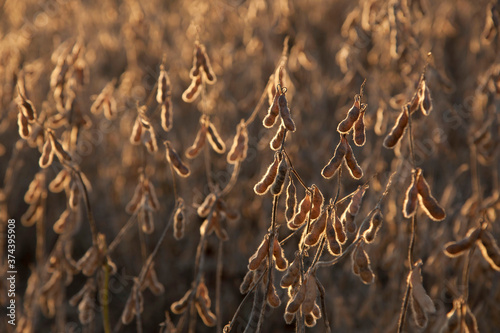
35 189
190 94
60 182
179 220
334 247
248 282
273 112
348 222
309 320
163 91
175 161
181 305
135 136
292 273
356 200
134 301
26 107
352 115
202 303
152 198
366 275
336 161
214 139
424 96
311 294
279 181
263 185
427 201
63 221
398 130
199 141
411 198
353 166
291 200
24 127
272 297
289 317
47 155
32 215
375 223
317 229
489 249
303 210
360 258
279 256
259 255
277 140
295 302
239 148
136 200
149 139
317 202
419 315
167 115
217 227
86 309
286 118
359 129
418 292
339 228
89 263
455 249
74 196
205 207
151 282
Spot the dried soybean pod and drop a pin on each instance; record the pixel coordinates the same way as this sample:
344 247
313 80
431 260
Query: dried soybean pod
60 182
181 305
179 220
419 315
173 158
135 136
259 255
204 209
163 91
397 131
208 318
309 320
292 273
286 118
411 198
359 129
356 200
352 115
24 127
375 223
289 317
248 282
334 247
89 262
317 228
317 202
277 140
339 228
366 275
303 210
32 215
61 223
74 196
151 282
152 198
279 256
190 94
279 181
353 166
263 185
424 96
239 148
311 294
35 189
418 292
455 249
489 249
295 302
336 161
146 220
273 112
214 138
199 141
291 200
427 201
167 115
47 155
133 204
272 297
